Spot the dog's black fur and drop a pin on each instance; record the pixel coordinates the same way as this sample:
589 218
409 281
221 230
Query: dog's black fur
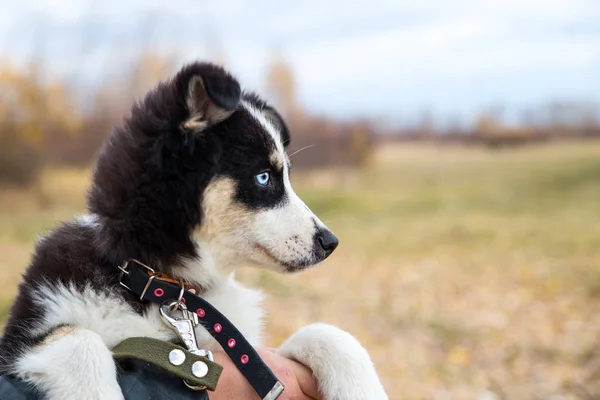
146 192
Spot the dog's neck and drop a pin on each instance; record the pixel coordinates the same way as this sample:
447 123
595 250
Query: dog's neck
210 269
213 272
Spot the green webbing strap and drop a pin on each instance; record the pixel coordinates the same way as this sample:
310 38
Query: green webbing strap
157 352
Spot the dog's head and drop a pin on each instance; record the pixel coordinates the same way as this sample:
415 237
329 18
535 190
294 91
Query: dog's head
200 158
251 212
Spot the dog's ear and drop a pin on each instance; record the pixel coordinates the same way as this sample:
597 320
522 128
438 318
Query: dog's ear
275 118
210 93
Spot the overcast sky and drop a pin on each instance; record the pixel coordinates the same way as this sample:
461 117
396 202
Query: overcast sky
387 58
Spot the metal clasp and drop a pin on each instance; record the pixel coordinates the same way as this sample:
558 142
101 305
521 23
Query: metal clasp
184 327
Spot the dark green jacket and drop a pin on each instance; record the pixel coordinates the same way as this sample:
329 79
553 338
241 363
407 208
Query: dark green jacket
139 381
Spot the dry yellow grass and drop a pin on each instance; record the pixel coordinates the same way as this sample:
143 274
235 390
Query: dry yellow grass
466 273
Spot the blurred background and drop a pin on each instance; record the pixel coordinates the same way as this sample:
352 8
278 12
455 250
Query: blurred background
452 146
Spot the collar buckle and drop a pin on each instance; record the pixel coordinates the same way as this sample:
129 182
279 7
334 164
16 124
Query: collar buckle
125 271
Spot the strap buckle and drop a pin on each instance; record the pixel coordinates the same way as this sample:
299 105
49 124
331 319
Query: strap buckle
124 271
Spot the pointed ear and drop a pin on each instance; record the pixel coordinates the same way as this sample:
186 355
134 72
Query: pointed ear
211 95
275 118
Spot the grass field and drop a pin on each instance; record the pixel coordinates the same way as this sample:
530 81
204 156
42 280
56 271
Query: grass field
467 273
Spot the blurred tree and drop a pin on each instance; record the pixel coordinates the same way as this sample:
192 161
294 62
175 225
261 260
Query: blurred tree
361 146
147 71
113 100
426 125
33 117
487 125
281 85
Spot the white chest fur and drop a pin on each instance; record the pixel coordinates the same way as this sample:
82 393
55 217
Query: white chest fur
114 320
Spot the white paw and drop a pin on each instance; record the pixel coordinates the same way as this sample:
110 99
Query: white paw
71 363
340 364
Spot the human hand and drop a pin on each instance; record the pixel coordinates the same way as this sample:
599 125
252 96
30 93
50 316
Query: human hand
298 380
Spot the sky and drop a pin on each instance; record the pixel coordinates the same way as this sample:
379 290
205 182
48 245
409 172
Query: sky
388 59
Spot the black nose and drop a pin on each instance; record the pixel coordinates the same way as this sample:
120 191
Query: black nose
328 241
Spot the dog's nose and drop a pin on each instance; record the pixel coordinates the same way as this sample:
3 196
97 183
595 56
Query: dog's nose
328 241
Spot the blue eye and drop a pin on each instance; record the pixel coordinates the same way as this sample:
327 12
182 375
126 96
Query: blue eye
263 178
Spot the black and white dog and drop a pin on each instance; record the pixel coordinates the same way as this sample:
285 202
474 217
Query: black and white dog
195 182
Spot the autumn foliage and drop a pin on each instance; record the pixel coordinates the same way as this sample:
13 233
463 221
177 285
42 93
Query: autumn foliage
45 121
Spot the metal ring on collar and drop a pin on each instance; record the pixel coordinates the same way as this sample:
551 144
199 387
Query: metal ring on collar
181 291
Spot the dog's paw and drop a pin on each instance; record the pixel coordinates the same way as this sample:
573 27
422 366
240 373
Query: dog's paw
342 367
72 363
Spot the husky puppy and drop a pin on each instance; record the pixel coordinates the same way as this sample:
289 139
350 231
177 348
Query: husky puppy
195 183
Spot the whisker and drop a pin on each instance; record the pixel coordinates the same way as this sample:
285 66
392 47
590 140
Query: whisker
298 151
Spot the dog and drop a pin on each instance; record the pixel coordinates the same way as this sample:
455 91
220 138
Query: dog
194 182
